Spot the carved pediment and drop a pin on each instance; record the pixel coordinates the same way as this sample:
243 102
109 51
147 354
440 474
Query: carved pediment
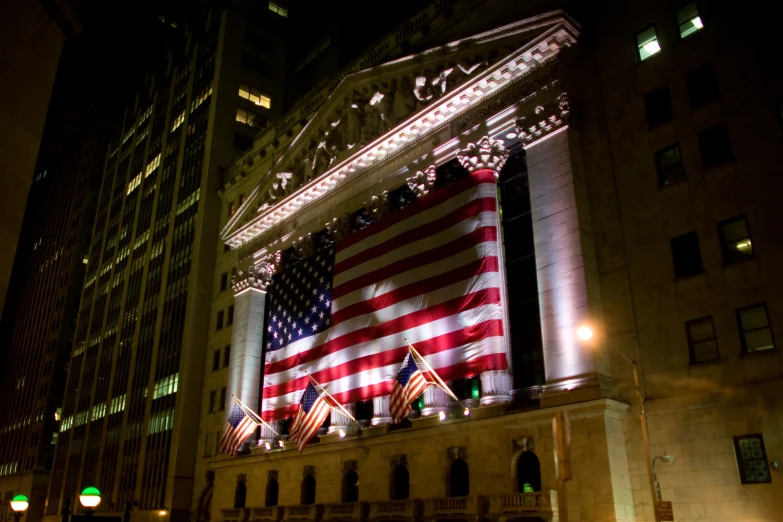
374 113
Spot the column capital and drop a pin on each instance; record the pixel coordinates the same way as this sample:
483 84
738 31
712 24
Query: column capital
257 276
486 153
421 182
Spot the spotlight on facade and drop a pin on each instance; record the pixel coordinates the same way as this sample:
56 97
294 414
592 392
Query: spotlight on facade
267 446
280 443
163 512
466 412
19 505
341 433
585 333
442 415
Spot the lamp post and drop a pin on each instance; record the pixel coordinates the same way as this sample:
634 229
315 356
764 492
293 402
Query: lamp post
90 499
19 505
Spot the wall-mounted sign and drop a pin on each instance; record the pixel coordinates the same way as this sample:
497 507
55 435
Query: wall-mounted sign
665 513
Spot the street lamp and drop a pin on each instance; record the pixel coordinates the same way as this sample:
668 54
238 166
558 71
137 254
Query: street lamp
89 499
19 504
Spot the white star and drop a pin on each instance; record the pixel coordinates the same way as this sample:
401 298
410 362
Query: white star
314 309
321 315
269 328
320 279
289 337
331 250
310 269
315 291
321 297
268 345
328 285
300 331
315 327
274 318
326 303
275 334
328 320
300 314
305 264
317 258
280 324
307 320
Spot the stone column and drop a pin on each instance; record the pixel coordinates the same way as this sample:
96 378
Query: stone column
340 421
489 154
380 411
435 401
246 366
268 435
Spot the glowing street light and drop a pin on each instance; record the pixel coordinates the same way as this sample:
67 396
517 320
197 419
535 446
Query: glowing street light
19 504
90 499
585 333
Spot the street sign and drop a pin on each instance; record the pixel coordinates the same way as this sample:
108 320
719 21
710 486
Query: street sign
665 513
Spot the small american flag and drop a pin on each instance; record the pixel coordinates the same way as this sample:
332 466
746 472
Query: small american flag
239 426
408 385
313 410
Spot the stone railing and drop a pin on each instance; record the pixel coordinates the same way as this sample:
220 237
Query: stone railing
233 515
311 512
541 504
472 506
410 509
353 511
266 514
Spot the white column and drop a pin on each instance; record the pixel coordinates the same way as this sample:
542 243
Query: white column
340 421
268 435
380 411
435 401
489 154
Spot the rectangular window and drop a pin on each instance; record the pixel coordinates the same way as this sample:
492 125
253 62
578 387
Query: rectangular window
226 355
219 323
668 163
715 146
658 105
231 208
735 240
688 20
278 10
212 401
686 255
250 118
215 360
223 281
222 404
647 43
254 95
751 459
754 328
702 85
702 344
230 316
242 142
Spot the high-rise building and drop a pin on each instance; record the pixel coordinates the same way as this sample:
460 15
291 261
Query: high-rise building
626 224
44 300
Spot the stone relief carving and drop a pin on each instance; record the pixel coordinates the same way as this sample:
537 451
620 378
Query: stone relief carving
544 119
399 460
378 206
271 475
308 470
523 444
455 452
485 154
421 182
258 276
304 246
339 227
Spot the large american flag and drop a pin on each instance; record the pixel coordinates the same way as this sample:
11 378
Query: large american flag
428 273
313 410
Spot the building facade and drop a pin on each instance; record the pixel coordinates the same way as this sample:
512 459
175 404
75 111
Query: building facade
637 176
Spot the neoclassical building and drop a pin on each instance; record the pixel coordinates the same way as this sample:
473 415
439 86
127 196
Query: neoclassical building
629 276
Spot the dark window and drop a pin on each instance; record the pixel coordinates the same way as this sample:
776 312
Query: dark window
715 146
779 116
215 360
240 495
212 401
751 459
688 20
702 344
668 163
528 473
754 328
647 43
350 491
242 142
658 105
226 355
702 85
272 492
223 281
686 255
735 240
400 483
219 323
308 491
222 404
459 479
230 318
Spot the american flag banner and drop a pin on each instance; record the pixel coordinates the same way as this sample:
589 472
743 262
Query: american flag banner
408 385
239 426
313 410
428 273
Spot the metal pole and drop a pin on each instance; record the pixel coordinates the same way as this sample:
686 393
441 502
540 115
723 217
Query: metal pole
646 437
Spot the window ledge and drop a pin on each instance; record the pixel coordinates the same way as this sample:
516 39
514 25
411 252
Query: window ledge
748 259
690 276
702 364
775 350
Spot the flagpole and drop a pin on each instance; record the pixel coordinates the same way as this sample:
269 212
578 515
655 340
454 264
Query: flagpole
256 415
440 383
335 401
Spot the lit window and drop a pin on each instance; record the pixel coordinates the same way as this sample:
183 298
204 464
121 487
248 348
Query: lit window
735 240
166 386
755 332
117 404
162 421
248 117
178 121
647 43
689 20
702 344
85 259
152 165
751 459
134 183
668 163
254 95
278 10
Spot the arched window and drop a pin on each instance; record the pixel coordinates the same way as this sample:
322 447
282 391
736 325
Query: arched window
528 473
400 483
308 491
350 486
272 490
459 479
240 494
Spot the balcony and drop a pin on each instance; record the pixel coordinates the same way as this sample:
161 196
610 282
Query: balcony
541 504
396 510
266 514
311 512
355 511
456 507
233 515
